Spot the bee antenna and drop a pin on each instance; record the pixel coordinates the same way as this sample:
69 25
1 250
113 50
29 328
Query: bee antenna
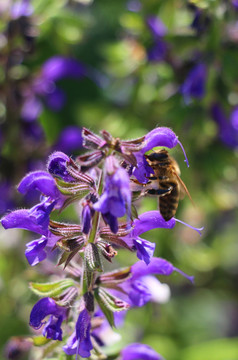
186 159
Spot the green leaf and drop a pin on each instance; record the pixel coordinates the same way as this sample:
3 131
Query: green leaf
109 304
107 312
51 289
40 340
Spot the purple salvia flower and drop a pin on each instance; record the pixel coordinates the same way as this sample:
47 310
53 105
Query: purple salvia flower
35 219
41 181
116 200
148 221
161 136
157 266
35 251
156 26
142 286
145 249
41 310
139 293
87 214
71 346
80 342
57 165
83 327
52 329
228 128
137 351
194 85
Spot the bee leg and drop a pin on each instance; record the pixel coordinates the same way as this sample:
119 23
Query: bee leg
159 192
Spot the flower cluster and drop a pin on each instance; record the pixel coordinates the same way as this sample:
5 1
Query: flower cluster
100 182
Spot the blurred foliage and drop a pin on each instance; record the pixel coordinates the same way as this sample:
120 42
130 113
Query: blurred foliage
128 95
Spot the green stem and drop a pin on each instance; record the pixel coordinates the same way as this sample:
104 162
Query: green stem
96 217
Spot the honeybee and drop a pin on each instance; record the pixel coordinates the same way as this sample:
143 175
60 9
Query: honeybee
165 182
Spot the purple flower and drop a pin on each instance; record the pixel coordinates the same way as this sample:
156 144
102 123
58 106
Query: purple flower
35 219
158 51
52 329
44 86
58 67
156 26
42 309
235 4
57 165
159 48
137 351
87 214
80 342
35 251
116 199
141 288
228 128
147 221
40 181
194 85
31 108
161 136
70 140
21 8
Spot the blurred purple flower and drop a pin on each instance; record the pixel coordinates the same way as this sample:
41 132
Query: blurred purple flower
44 86
228 128
134 5
21 8
194 85
6 200
70 139
137 351
156 26
235 3
200 21
43 308
159 49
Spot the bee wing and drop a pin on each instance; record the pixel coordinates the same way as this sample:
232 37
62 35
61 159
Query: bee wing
183 188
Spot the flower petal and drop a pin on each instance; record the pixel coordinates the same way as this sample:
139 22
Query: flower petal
41 181
137 351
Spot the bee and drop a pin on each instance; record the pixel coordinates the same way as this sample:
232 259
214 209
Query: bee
165 182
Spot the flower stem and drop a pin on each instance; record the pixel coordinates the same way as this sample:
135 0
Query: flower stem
96 217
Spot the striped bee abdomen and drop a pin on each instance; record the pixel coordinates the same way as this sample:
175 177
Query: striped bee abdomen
168 204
